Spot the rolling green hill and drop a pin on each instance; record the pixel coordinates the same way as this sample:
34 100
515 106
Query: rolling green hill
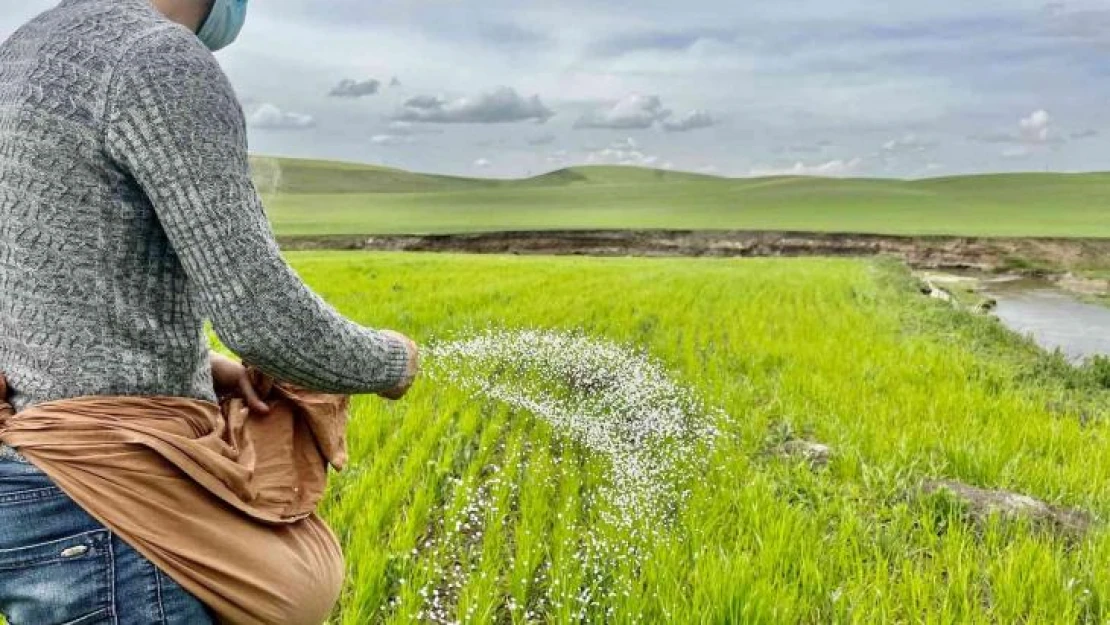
320 197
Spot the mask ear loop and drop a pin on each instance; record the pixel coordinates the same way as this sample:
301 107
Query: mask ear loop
211 9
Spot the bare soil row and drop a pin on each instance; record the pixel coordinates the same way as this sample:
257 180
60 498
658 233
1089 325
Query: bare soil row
1025 255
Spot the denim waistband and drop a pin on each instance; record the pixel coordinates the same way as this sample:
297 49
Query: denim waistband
10 453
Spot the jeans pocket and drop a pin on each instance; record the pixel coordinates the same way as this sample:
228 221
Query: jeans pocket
19 469
11 454
27 488
67 581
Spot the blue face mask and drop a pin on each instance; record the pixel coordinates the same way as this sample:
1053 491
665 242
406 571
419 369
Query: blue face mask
223 23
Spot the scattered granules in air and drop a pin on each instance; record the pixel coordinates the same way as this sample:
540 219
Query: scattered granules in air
617 403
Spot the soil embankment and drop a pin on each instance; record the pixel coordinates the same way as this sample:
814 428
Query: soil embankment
1029 256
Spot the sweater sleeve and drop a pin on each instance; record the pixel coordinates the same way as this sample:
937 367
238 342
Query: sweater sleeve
173 123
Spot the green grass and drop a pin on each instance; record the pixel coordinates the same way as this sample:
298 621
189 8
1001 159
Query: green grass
317 197
845 352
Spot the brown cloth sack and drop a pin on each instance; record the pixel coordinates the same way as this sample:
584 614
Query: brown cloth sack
221 498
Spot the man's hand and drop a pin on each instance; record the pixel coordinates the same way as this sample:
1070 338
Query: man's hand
412 368
230 378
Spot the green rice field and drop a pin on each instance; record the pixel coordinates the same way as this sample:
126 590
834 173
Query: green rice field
459 508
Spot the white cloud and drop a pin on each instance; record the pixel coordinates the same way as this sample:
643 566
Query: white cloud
1036 127
270 117
833 169
501 105
691 121
390 139
624 152
483 163
1016 152
1032 131
908 143
640 112
635 112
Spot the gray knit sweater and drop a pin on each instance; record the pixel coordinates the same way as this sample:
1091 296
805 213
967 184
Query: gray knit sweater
128 216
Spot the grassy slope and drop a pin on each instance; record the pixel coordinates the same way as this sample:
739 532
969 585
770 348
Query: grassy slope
315 197
931 392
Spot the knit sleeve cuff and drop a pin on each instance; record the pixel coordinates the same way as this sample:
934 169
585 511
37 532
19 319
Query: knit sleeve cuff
397 362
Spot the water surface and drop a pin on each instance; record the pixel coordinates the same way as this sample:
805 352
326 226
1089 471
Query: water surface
1054 318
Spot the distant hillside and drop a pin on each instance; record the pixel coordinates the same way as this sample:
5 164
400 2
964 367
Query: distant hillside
289 175
321 197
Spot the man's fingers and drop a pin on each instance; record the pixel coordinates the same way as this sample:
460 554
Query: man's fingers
253 400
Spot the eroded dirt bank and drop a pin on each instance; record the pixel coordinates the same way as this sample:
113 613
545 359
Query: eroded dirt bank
1031 256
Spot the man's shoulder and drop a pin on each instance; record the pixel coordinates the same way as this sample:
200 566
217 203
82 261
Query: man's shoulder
167 61
163 40
101 25
168 53
111 33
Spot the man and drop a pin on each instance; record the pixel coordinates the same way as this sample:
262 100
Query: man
127 217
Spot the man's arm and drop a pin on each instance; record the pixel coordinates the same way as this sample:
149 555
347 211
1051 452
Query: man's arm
173 123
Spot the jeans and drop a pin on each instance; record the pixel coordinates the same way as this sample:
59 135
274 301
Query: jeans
59 566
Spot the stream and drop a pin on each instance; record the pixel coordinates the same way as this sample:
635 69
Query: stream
1053 317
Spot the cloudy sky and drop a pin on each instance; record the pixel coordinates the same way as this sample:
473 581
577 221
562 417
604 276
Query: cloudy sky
832 87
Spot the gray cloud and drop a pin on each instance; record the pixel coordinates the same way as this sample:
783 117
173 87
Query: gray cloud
502 105
693 120
269 117
1090 133
545 139
424 102
635 112
349 88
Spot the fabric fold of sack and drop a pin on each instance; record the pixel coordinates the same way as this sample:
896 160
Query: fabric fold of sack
221 498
